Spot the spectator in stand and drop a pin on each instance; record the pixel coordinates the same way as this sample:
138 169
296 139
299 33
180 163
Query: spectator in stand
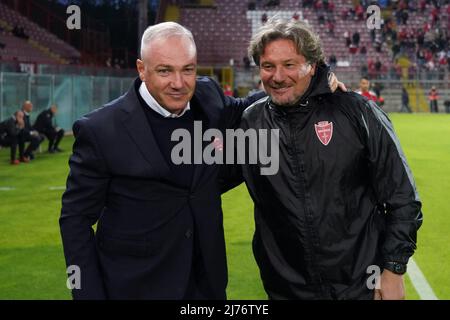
257 88
447 106
264 18
332 61
273 3
395 50
246 61
321 19
359 12
331 6
362 54
227 90
377 45
412 6
19 32
377 88
318 5
433 98
364 85
307 3
378 65
422 5
404 16
382 3
345 14
356 38
235 92
434 16
448 60
442 59
9 134
352 50
330 27
44 125
420 38
348 41
372 35
421 58
397 13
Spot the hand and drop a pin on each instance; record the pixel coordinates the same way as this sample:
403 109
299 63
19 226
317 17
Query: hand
391 286
333 83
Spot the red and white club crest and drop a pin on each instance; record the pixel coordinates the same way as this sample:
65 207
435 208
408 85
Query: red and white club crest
324 131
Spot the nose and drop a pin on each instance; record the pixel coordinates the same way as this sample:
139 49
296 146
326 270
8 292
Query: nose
278 75
177 81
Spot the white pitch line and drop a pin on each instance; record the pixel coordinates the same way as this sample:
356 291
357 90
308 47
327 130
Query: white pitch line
57 188
7 188
419 282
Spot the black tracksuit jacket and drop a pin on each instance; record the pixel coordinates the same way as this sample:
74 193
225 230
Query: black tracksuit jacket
336 206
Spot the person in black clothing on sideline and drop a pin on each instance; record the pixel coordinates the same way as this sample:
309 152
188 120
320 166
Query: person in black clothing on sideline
27 134
44 125
9 134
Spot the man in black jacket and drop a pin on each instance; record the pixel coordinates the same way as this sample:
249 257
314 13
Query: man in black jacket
342 205
9 134
44 125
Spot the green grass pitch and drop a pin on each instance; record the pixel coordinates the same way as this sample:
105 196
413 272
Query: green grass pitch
31 258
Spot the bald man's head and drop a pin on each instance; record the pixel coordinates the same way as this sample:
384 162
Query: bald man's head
27 106
54 108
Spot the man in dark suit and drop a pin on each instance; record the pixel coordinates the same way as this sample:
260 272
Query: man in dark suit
44 125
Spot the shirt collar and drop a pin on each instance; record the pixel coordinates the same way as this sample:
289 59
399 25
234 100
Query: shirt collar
155 106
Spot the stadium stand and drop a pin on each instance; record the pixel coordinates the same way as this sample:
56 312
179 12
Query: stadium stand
222 30
38 46
233 22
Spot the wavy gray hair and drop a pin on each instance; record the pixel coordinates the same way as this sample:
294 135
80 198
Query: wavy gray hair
306 41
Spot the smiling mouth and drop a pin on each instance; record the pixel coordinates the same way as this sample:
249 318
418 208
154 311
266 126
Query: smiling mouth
177 95
280 90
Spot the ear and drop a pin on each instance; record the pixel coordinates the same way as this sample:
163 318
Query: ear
313 70
140 66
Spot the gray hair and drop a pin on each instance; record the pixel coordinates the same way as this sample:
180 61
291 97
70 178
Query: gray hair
306 41
164 30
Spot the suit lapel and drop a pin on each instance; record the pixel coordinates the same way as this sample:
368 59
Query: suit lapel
201 114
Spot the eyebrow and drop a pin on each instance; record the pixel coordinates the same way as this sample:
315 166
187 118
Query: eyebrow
171 67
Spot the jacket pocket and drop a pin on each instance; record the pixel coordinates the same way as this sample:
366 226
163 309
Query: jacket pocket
124 244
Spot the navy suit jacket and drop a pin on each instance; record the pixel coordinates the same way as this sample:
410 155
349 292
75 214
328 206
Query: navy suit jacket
143 244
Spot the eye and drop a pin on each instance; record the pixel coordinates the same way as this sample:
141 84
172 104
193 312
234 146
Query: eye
289 65
163 72
267 67
189 70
